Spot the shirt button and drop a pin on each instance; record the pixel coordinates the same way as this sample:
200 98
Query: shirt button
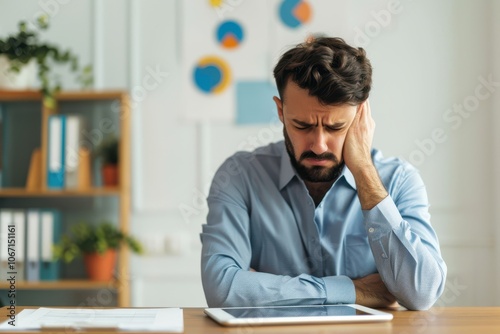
371 230
384 256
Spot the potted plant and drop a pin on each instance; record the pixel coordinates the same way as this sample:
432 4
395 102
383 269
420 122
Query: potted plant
108 153
24 48
98 245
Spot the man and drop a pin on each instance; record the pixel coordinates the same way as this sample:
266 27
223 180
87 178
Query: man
321 218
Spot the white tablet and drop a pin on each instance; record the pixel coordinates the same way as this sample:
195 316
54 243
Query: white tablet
282 315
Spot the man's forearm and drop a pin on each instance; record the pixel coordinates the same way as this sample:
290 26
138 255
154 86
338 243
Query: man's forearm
227 285
371 191
372 292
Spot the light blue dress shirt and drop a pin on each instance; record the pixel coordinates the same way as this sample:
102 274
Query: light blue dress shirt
261 216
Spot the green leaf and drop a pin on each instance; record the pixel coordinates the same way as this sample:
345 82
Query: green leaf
86 238
25 45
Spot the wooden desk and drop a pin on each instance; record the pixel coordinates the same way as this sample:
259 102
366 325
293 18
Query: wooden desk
442 320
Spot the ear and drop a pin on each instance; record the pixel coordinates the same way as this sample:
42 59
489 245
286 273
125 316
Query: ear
279 106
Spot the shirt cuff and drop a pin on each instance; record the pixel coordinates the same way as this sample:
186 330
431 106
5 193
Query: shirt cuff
383 217
339 290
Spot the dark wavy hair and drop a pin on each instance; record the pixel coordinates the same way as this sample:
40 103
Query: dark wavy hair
330 69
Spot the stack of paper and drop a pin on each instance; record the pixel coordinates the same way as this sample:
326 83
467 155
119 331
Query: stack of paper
139 319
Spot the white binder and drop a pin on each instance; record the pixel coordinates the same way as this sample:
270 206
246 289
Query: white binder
19 219
33 246
5 221
72 154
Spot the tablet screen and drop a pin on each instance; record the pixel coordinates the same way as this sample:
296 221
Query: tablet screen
299 311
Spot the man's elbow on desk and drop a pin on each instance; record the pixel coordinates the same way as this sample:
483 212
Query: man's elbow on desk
423 298
419 303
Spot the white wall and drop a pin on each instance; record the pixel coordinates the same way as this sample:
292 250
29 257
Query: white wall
496 140
426 59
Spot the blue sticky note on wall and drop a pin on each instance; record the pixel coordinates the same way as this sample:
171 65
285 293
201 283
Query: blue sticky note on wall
254 102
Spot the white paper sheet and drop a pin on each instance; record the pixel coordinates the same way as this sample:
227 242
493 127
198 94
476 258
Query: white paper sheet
139 319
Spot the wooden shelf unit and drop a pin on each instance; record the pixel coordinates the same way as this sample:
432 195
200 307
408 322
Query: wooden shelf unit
122 191
34 95
62 285
21 192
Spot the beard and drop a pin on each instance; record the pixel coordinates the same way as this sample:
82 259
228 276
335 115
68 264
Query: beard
314 173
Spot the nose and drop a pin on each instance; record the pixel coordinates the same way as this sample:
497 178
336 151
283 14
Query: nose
318 142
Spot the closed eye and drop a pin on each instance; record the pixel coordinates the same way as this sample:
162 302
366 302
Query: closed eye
332 128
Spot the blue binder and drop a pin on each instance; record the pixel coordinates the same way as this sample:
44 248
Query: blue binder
55 158
50 234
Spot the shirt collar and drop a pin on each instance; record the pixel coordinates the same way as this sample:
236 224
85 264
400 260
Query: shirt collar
349 177
288 172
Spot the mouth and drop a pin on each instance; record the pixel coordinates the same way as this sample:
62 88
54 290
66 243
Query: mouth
317 162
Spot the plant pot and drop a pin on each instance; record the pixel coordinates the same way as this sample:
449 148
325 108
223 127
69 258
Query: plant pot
110 175
25 79
100 267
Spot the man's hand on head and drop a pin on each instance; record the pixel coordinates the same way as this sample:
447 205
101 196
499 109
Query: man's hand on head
372 292
358 142
357 157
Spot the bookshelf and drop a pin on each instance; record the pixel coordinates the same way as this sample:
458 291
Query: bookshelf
64 285
95 106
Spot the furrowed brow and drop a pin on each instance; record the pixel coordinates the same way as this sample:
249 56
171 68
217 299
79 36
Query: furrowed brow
334 125
296 121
